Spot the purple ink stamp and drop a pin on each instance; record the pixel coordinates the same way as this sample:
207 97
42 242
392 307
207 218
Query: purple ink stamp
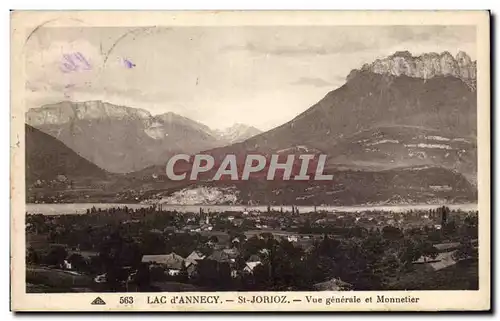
128 64
75 61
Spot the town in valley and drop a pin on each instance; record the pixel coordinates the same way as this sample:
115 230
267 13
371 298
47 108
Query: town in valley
154 250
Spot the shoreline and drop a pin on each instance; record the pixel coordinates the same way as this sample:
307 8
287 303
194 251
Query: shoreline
81 208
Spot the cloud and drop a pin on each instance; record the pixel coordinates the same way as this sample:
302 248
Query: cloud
299 49
345 40
432 33
312 81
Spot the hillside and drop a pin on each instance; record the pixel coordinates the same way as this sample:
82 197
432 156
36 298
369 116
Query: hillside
48 159
386 147
410 185
371 100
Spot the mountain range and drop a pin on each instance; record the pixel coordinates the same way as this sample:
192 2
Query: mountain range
401 129
123 139
380 120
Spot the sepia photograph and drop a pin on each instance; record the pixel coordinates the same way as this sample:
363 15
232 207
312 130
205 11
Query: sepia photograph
210 158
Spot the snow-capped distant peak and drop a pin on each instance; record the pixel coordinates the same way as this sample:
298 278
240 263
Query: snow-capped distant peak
238 133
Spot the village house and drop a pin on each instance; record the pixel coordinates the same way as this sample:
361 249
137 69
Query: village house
232 253
250 266
441 261
333 285
172 263
238 221
264 251
169 229
66 265
194 257
191 228
192 260
76 258
220 256
206 227
214 263
253 258
101 278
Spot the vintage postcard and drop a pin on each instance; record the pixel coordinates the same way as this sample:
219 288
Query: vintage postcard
250 161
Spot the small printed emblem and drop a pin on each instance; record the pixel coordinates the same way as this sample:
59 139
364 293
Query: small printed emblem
98 301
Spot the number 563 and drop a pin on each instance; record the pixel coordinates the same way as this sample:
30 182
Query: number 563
126 300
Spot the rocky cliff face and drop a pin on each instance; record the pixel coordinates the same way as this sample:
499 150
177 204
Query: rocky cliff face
425 66
65 112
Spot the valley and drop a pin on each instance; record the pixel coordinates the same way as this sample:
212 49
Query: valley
399 131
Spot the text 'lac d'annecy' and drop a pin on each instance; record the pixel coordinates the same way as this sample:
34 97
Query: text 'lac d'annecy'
302 167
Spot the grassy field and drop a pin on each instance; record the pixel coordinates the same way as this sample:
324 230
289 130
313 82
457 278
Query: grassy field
461 276
41 279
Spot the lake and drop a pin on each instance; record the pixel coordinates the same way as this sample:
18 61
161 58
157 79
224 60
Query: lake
81 208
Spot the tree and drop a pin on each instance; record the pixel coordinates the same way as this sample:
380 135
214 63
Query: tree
77 261
142 277
56 256
183 276
213 274
465 251
445 212
392 233
32 256
449 229
267 236
259 279
204 249
428 250
409 252
434 236
252 246
470 227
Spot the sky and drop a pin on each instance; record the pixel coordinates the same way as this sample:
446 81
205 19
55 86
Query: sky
219 76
